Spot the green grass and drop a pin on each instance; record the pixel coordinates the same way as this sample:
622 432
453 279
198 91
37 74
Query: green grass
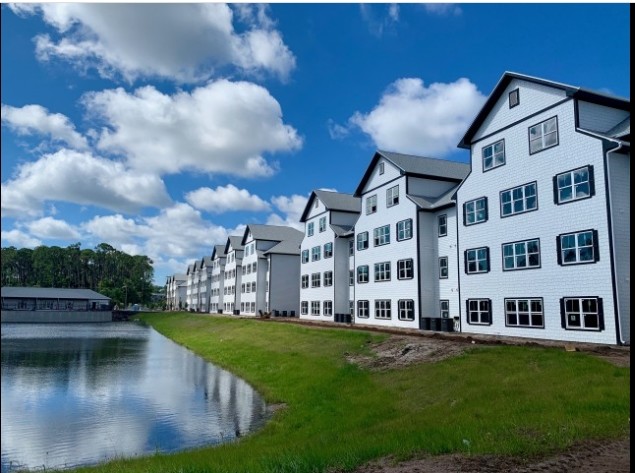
523 401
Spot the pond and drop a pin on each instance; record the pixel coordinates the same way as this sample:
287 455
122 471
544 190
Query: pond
79 394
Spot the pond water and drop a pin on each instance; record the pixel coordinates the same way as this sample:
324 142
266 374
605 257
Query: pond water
77 394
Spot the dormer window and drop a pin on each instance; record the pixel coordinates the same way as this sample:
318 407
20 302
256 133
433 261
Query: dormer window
514 98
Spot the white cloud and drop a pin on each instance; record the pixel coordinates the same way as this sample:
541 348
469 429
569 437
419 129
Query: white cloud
379 23
413 118
184 42
225 199
443 9
337 131
35 119
223 127
19 239
292 208
80 178
49 227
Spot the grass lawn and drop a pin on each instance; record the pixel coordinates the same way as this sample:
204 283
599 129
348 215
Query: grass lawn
493 399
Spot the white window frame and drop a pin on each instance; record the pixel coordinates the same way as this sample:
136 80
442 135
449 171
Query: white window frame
444 267
328 278
362 241
579 246
519 196
363 270
328 250
371 204
579 182
305 256
406 309
392 196
315 307
582 314
316 279
477 314
495 153
316 253
543 135
383 310
405 268
520 255
524 308
472 215
442 225
476 257
322 224
327 308
310 229
363 309
382 271
404 230
381 235
444 308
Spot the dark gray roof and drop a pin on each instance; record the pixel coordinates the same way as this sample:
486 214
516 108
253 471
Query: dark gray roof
235 241
342 230
571 91
335 201
434 203
418 166
270 232
621 129
290 246
206 260
218 251
52 293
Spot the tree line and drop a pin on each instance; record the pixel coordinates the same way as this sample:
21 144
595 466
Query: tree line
125 278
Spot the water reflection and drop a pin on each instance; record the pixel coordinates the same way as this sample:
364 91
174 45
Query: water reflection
80 394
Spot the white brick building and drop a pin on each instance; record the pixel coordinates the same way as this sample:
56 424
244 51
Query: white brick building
405 244
329 219
545 227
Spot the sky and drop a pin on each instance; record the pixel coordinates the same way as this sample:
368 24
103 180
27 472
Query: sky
161 129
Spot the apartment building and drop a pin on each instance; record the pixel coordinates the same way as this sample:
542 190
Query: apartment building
217 279
233 275
176 291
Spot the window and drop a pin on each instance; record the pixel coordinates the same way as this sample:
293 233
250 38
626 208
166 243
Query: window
477 260
578 248
305 256
405 269
574 185
328 308
328 278
442 225
315 253
315 280
544 135
392 196
253 267
493 155
519 199
328 250
253 286
371 204
381 235
444 308
524 313
363 309
514 98
479 311
475 211
315 307
382 309
309 229
351 308
351 277
322 224
242 288
382 271
362 274
521 255
404 230
443 267
362 241
582 313
316 204
351 247
381 168
406 309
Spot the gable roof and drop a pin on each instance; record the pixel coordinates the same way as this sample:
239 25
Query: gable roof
218 251
434 203
333 201
571 91
622 130
270 232
290 246
206 261
52 293
419 166
235 242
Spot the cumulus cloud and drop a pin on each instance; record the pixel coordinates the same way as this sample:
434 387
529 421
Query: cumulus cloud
81 178
225 199
36 120
184 42
51 228
19 239
223 127
291 208
413 118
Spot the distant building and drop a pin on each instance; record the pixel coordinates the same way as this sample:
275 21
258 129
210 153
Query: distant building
176 291
54 305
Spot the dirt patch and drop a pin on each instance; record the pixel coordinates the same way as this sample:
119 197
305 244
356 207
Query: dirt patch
585 457
399 350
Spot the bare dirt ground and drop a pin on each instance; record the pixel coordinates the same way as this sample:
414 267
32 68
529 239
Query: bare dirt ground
587 457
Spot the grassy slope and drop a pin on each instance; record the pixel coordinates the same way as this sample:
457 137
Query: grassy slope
501 400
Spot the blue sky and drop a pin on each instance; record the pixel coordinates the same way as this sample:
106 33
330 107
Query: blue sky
163 128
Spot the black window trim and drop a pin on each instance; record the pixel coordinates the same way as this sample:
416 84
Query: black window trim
521 241
539 123
596 247
556 194
447 267
489 263
367 308
513 214
465 224
414 315
483 158
563 318
517 90
397 230
439 234
467 311
542 302
413 269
